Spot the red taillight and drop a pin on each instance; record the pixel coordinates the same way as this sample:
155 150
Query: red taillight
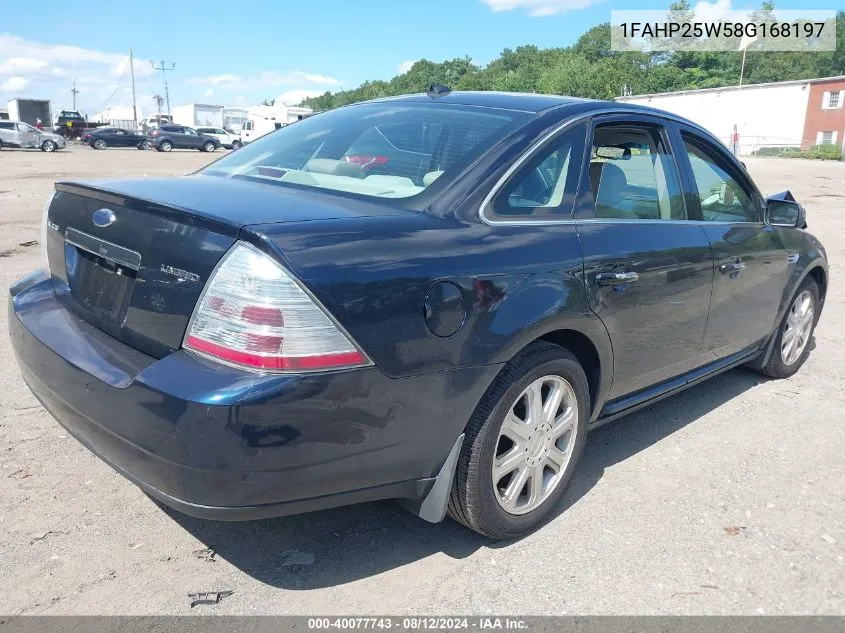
365 161
254 314
156 132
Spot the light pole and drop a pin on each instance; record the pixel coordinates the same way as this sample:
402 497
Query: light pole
163 68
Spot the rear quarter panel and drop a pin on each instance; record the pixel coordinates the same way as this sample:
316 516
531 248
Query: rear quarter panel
373 274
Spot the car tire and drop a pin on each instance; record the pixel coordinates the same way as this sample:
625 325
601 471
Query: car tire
480 493
209 147
49 146
236 145
100 144
144 145
796 328
165 146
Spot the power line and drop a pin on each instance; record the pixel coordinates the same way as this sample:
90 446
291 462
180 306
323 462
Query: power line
114 92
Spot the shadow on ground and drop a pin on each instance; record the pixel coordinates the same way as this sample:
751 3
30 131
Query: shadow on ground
360 541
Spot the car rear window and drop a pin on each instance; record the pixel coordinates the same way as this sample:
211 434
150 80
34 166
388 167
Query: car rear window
383 150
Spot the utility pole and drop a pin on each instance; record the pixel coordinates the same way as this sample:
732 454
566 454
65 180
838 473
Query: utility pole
134 105
74 92
163 68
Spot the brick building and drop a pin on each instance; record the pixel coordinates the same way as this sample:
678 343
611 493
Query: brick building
825 120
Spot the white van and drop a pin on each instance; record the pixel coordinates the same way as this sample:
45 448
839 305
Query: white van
258 126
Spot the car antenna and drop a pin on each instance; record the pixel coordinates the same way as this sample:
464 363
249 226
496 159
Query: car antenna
438 90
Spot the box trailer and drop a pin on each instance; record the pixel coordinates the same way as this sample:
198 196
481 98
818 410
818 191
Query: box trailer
198 114
30 110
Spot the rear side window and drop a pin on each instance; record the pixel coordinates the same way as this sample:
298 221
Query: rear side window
546 185
4 125
633 176
384 150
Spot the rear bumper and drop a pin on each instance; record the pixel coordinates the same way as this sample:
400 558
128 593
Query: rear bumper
217 442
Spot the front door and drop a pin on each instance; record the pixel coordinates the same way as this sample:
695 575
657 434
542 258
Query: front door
190 138
28 135
648 269
752 264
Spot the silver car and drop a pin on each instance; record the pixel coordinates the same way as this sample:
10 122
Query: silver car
23 135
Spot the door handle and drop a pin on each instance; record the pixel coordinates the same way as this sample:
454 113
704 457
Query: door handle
732 267
611 279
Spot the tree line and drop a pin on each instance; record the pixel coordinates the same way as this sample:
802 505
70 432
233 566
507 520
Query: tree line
590 69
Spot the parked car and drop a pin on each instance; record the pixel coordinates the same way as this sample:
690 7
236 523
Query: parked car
227 139
286 331
24 135
168 136
115 137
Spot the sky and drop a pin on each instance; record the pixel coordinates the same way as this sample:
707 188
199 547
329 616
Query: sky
241 53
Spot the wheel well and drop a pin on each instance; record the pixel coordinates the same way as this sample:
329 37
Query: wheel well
818 274
585 352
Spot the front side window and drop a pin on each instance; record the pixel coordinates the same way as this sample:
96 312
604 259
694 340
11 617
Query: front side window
546 185
722 197
383 150
633 176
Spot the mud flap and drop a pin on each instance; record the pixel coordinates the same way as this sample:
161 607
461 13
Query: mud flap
432 507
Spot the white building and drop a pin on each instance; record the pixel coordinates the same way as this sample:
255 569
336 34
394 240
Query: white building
765 115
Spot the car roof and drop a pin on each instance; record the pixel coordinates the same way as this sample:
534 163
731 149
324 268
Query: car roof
523 102
534 103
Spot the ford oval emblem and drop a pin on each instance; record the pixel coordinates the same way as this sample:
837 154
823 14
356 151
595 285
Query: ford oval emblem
103 217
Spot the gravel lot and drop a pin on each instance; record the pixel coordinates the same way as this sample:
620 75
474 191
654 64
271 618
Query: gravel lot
727 499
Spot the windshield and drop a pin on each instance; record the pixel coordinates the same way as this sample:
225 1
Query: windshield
385 150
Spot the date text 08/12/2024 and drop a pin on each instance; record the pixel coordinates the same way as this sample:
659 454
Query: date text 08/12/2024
410 623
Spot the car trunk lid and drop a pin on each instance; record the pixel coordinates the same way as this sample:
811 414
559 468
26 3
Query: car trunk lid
132 257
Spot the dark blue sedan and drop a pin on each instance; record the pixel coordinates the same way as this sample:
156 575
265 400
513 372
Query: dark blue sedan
431 298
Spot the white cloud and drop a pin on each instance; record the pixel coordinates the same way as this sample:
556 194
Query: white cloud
711 11
540 7
295 97
322 80
40 70
15 65
406 66
14 84
266 79
208 93
215 80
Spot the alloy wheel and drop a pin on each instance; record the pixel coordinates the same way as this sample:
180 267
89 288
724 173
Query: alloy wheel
799 324
535 444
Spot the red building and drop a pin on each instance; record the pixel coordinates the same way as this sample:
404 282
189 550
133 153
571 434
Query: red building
825 119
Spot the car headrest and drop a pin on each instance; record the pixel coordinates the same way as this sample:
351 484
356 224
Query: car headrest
612 185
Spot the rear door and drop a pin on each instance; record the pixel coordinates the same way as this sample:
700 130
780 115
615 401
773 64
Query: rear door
751 260
649 270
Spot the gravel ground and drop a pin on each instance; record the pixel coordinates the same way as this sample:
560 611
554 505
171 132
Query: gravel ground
727 499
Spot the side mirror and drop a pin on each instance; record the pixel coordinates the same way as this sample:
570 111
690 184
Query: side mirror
783 212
